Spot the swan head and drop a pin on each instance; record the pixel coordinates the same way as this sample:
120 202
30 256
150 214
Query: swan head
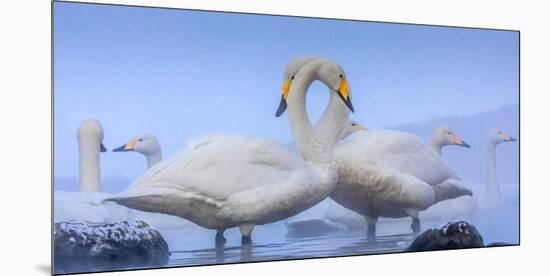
352 126
445 136
497 136
91 131
328 72
145 144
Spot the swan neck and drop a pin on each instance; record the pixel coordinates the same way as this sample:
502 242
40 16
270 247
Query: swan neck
153 158
493 189
436 146
300 124
89 171
331 125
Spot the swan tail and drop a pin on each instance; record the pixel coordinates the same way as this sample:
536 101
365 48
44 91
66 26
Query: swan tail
165 200
450 189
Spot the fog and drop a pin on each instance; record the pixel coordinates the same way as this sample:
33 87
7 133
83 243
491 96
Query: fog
181 74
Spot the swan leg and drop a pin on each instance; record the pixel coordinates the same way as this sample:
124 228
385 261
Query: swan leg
246 231
220 239
415 225
371 226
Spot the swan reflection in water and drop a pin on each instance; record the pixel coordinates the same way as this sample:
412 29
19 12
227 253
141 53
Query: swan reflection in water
293 248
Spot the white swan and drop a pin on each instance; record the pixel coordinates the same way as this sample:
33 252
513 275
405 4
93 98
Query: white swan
495 137
220 182
79 206
444 136
352 126
392 174
146 144
90 144
441 137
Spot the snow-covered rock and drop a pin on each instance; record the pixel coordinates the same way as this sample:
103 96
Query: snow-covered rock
82 207
452 235
80 247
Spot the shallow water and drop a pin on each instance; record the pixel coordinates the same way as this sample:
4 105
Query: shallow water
342 244
271 243
195 246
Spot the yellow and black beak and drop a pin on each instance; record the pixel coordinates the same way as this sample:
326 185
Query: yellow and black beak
284 97
102 148
130 146
459 142
343 92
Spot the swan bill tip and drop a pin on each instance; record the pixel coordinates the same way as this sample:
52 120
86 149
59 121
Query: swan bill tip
282 107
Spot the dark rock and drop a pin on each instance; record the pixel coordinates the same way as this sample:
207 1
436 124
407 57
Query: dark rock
453 235
312 228
80 247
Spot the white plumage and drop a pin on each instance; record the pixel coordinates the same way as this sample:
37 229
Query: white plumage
80 206
386 173
146 144
444 136
223 181
493 194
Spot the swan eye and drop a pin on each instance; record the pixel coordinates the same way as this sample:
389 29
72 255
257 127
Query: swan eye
449 133
292 78
352 124
141 140
341 76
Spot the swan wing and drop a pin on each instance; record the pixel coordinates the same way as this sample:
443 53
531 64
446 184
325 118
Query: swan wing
404 152
372 185
218 166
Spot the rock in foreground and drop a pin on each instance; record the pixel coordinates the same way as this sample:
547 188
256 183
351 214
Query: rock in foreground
313 228
453 235
80 247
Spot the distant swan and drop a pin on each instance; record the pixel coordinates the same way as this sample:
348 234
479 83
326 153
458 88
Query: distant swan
495 137
444 136
220 182
146 144
352 126
79 206
393 174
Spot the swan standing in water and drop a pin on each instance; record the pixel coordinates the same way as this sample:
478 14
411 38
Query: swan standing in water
79 206
444 136
146 144
495 137
392 174
220 182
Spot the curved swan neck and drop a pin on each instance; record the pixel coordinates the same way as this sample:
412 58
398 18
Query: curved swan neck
89 171
329 128
436 145
298 119
153 158
314 144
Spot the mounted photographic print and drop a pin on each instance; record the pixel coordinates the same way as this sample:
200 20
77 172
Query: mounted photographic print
187 137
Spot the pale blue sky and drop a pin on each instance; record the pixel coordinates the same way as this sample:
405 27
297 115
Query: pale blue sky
180 74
